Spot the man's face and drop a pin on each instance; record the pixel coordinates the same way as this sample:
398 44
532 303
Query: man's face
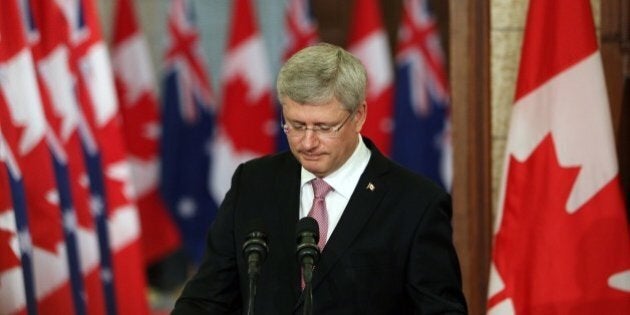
318 153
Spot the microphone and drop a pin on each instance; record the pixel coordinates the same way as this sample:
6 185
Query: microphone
255 252
307 232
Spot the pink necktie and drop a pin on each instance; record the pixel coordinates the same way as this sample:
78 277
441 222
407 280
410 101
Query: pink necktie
318 211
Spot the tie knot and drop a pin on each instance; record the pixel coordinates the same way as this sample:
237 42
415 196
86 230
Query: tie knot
320 188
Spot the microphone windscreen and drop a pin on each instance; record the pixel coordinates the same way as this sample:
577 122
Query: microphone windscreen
307 224
255 239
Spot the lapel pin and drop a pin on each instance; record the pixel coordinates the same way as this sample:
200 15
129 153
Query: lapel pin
370 187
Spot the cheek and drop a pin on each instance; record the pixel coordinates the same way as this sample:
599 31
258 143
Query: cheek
294 147
293 143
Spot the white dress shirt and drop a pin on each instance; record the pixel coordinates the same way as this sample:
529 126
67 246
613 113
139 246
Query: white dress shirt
343 181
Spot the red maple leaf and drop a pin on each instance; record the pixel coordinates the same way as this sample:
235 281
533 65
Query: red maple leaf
44 217
259 112
138 117
554 262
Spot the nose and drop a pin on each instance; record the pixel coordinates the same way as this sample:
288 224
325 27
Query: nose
310 139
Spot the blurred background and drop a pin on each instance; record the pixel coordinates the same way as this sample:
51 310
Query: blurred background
163 99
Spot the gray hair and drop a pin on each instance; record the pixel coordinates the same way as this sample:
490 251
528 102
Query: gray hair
319 73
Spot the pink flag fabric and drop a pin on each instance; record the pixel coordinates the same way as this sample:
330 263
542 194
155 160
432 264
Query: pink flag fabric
561 241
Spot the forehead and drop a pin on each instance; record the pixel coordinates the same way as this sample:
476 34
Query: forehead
297 111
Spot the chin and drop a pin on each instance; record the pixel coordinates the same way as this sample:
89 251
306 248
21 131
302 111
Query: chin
312 167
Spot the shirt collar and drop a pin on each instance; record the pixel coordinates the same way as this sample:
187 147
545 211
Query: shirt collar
338 179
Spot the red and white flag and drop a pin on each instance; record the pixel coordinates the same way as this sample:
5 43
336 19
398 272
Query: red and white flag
13 282
246 121
51 52
561 243
112 192
135 85
24 128
368 41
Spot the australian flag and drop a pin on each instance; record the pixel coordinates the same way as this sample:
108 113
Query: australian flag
188 125
421 140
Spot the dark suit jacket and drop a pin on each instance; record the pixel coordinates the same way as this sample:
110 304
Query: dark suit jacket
390 253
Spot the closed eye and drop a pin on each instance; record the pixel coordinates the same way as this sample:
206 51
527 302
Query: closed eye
324 128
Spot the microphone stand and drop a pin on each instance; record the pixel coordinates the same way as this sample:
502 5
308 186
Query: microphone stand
255 250
307 273
307 254
253 272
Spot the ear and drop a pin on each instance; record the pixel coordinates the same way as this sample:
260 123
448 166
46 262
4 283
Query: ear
359 116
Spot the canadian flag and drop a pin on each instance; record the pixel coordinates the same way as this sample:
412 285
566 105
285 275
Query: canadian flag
108 170
135 85
52 58
368 41
246 122
17 291
24 128
561 242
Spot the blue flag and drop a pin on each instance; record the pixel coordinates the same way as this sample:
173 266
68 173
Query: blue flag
421 138
188 121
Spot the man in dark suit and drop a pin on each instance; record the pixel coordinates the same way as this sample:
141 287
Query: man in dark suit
385 232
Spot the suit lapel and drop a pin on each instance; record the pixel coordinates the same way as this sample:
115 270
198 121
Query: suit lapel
364 200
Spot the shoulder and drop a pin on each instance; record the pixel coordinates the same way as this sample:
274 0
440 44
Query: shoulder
397 176
272 163
400 176
414 197
284 158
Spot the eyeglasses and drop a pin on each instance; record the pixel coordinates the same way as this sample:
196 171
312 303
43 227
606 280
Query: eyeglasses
299 130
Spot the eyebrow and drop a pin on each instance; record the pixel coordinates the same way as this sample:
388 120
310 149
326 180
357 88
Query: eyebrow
299 122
